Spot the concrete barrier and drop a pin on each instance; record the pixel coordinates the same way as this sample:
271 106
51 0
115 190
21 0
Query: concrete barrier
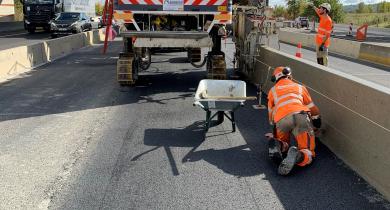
355 113
375 53
11 26
19 59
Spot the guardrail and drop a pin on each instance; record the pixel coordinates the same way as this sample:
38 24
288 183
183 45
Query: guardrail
20 59
355 112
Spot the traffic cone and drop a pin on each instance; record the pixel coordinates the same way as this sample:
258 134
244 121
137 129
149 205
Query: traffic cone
298 54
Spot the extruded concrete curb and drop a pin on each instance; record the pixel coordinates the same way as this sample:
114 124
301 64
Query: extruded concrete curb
355 113
19 59
369 52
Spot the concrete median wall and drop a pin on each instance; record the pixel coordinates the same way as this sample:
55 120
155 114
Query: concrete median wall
374 53
20 59
355 113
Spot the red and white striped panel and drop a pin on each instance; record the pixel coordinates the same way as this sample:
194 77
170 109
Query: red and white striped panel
141 2
205 2
123 16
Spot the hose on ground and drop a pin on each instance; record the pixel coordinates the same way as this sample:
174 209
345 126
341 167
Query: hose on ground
199 65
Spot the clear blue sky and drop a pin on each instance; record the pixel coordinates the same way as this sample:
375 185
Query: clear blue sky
346 2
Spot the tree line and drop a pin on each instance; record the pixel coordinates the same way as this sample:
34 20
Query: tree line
296 8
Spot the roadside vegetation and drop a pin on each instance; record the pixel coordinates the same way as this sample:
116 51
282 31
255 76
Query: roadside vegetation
374 15
18 11
373 19
297 8
99 7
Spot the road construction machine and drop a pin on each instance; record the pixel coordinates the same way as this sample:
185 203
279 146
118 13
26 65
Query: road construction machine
153 24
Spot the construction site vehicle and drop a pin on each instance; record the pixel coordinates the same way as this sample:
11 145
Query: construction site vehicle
184 24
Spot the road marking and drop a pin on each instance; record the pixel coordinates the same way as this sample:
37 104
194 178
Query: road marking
34 114
13 35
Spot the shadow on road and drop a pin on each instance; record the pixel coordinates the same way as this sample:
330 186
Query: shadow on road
64 86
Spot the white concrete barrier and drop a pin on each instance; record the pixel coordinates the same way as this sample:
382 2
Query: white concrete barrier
356 113
19 59
374 53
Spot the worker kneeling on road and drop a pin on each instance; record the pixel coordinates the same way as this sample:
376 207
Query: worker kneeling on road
291 111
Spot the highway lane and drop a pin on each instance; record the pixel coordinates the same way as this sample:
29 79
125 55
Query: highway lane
71 138
21 38
375 73
374 34
370 31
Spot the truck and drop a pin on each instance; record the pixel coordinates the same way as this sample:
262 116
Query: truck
39 13
185 24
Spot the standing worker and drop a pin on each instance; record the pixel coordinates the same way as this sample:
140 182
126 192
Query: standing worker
324 32
291 111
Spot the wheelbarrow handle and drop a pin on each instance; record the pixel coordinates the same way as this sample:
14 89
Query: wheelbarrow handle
196 103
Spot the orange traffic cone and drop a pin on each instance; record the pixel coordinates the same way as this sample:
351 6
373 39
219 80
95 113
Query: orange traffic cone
298 54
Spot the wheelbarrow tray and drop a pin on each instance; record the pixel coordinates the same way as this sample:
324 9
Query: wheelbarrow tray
220 88
223 90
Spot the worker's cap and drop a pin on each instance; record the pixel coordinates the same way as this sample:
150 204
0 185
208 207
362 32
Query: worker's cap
280 72
326 6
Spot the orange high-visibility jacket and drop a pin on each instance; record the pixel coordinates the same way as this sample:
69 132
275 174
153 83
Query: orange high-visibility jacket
324 29
288 97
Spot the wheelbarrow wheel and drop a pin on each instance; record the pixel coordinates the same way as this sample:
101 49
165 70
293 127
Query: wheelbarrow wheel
220 117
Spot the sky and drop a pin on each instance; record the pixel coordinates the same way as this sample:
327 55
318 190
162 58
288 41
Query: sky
345 2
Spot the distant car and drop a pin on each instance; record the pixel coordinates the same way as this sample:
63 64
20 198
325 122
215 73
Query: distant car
70 23
301 22
97 22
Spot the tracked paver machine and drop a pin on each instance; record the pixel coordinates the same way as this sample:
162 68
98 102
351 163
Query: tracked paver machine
185 24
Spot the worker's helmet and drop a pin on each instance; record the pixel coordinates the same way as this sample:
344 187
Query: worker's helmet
279 72
326 6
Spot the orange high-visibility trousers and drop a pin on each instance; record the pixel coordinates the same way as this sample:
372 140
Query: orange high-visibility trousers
299 125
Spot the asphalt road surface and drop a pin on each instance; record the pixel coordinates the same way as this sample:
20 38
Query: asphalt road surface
371 31
71 138
21 38
378 74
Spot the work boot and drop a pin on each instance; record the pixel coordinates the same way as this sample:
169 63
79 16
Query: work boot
274 150
320 61
293 156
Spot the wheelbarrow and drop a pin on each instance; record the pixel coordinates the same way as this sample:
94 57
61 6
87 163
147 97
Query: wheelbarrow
221 97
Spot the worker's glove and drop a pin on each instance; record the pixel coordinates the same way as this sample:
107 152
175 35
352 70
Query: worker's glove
321 48
316 121
310 4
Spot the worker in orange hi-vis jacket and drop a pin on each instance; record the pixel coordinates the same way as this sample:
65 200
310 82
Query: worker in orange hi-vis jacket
291 111
323 34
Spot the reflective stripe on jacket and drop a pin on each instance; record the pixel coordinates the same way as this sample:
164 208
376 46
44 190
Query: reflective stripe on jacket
288 97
